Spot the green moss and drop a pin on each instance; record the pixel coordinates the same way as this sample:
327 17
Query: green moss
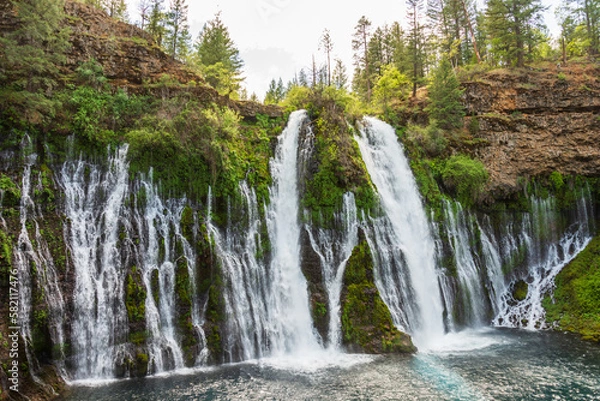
575 305
339 166
11 194
138 337
366 320
520 290
5 253
135 297
465 178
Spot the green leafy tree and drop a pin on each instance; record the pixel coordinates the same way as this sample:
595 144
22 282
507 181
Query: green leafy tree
216 52
177 33
391 86
445 108
511 26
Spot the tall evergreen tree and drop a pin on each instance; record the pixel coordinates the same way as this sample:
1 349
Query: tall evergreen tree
326 45
416 42
177 33
360 45
445 107
585 13
218 58
511 26
32 53
340 76
156 22
116 9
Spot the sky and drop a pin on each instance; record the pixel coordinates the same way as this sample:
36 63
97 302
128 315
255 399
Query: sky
276 38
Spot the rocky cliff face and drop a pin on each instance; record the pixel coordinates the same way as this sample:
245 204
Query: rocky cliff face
533 122
130 58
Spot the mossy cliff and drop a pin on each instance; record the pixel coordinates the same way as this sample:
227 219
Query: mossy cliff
366 321
575 304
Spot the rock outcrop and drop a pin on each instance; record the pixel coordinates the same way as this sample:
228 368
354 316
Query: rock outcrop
533 122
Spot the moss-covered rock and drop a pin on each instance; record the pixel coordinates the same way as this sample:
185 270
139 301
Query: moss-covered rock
520 290
367 324
10 194
575 305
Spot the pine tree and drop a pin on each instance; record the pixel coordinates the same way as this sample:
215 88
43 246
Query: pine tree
416 43
326 44
116 9
156 22
177 33
34 51
445 107
360 46
218 58
511 26
585 13
275 93
340 76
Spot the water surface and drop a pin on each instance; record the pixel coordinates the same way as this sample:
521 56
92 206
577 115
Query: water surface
495 364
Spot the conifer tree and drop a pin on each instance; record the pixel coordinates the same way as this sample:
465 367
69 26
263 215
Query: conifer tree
416 42
445 107
360 45
218 58
32 53
340 76
511 26
156 22
177 33
326 45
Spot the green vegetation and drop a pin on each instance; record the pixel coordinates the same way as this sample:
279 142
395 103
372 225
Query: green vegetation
10 194
339 167
366 320
218 59
135 297
575 305
465 178
445 108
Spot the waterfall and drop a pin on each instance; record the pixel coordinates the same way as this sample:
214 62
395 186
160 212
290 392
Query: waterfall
158 229
93 203
401 240
267 298
549 250
246 282
334 248
36 268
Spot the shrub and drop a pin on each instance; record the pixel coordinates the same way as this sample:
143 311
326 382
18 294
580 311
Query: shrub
465 178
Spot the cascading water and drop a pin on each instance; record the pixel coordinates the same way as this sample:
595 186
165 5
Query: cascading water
334 248
93 202
267 300
549 251
155 228
36 268
246 283
461 230
401 240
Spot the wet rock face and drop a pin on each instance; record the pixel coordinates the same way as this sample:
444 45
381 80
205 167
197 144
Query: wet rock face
534 122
